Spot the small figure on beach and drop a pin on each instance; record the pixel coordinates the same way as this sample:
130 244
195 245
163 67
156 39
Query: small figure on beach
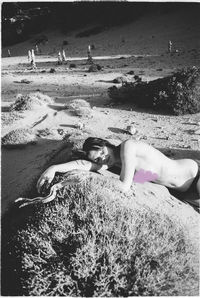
29 56
132 159
33 64
9 54
59 58
64 59
37 50
169 46
90 59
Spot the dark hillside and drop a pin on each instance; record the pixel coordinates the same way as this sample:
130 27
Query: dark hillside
21 19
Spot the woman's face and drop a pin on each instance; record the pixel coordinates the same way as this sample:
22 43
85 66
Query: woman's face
103 156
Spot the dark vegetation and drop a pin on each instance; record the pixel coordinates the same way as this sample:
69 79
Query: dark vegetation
89 242
65 42
95 67
20 20
72 65
177 94
33 17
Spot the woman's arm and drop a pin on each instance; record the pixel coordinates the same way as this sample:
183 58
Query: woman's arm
128 159
85 165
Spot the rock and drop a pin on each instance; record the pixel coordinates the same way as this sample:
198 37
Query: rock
131 129
186 146
197 132
131 72
52 70
60 131
25 81
72 65
137 78
120 80
80 125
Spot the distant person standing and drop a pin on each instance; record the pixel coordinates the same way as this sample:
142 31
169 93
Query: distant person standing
59 58
37 49
33 64
64 59
90 60
169 46
29 56
89 50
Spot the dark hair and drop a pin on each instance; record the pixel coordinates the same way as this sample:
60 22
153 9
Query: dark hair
96 144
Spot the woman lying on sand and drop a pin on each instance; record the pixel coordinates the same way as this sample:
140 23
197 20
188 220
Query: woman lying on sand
137 161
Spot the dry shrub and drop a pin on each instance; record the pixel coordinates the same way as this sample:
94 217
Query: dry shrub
8 118
18 137
80 107
94 68
89 242
176 94
30 101
77 103
83 112
120 80
72 65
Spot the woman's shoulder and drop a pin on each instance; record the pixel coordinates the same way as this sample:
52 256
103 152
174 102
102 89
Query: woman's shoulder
128 143
133 145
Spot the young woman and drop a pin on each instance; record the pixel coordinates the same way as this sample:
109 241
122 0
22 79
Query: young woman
135 159
137 162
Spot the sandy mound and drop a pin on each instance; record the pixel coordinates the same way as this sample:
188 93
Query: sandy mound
80 107
19 137
7 118
30 101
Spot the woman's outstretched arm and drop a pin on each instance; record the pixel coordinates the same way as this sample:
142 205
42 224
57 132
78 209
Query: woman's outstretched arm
81 164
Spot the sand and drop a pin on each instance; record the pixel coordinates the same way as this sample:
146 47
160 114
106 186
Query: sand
177 136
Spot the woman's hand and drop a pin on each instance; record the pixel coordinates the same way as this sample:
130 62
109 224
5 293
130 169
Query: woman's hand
47 177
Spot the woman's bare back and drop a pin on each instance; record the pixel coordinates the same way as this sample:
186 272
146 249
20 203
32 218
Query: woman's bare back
171 173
